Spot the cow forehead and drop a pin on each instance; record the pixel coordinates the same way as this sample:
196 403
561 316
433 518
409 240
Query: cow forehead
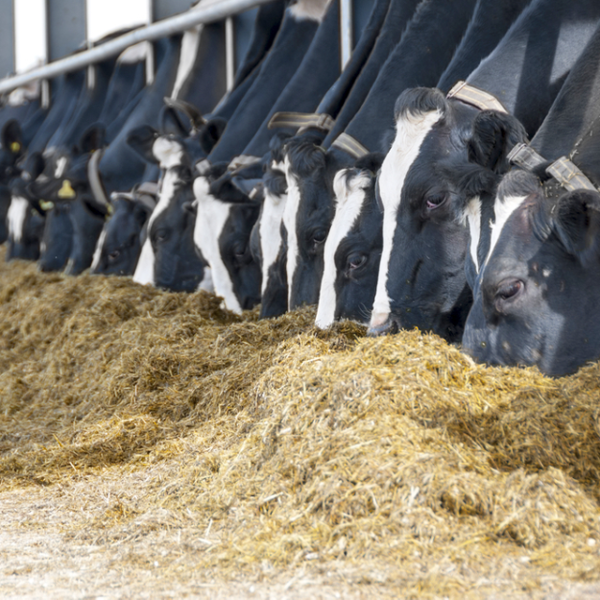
168 152
167 194
504 207
411 131
350 196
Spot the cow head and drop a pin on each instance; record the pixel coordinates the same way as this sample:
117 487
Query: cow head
25 216
445 153
169 258
309 171
268 244
120 242
537 296
224 224
353 246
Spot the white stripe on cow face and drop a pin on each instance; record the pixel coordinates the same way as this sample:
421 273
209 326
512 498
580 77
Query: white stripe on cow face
167 152
473 218
144 270
61 165
135 53
98 250
210 221
503 208
17 213
270 232
187 58
411 130
290 215
350 197
207 285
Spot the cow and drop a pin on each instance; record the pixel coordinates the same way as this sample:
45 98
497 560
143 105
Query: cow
120 242
421 279
535 250
421 55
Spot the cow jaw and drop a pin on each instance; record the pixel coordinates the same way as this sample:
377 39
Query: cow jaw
411 131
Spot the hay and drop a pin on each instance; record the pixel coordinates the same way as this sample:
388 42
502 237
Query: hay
293 445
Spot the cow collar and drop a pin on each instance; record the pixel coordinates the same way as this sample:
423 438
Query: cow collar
350 145
475 97
95 181
563 170
302 120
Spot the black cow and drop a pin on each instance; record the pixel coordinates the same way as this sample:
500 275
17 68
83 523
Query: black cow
421 278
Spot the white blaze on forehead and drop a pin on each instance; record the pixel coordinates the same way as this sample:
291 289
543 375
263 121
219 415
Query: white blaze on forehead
17 213
187 58
144 270
473 218
210 221
503 208
290 215
168 153
61 165
98 250
411 130
349 200
270 232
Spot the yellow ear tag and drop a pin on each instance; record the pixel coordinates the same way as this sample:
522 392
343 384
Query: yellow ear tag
45 205
15 147
66 192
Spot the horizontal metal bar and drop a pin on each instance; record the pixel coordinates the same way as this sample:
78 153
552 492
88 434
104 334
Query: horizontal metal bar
214 11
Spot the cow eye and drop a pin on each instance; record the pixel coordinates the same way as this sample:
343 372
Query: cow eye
319 236
114 255
435 201
355 261
508 291
161 235
239 249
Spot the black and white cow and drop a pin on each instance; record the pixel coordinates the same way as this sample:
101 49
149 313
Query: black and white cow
120 243
421 280
421 55
535 248
537 298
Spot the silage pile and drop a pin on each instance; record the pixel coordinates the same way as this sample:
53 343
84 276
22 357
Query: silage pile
294 445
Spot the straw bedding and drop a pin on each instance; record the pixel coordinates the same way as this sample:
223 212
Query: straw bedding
294 445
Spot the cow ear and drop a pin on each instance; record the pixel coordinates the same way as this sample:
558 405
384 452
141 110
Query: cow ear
93 138
170 123
576 219
12 137
142 140
493 136
210 133
370 162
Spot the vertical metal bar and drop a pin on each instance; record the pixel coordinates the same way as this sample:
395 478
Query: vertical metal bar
346 30
7 38
229 52
150 62
66 27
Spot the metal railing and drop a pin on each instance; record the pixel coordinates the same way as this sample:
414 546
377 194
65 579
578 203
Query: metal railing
215 11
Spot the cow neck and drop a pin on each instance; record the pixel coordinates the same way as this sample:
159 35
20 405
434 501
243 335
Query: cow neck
419 59
396 21
528 67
